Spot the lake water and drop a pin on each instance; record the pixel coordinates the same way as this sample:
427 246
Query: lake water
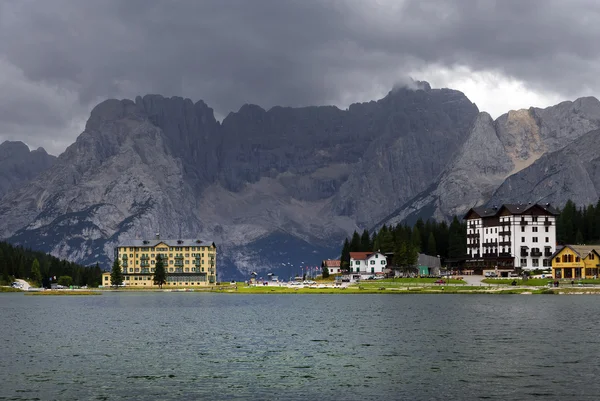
145 346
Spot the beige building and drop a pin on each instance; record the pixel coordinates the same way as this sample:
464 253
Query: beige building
188 262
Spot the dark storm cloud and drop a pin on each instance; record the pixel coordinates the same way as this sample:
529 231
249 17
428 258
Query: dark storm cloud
71 54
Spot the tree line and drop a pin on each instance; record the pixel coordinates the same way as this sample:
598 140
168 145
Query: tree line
574 225
578 225
428 237
38 267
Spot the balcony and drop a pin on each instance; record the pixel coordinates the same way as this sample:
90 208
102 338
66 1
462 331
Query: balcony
146 270
146 264
536 253
472 235
472 225
124 257
523 222
505 223
505 232
505 243
524 254
547 223
179 270
490 255
178 257
476 256
490 243
505 254
179 263
144 257
547 254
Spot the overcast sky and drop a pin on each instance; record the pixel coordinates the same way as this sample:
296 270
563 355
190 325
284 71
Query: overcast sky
58 58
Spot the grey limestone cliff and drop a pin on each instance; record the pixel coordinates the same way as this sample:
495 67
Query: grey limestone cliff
496 150
19 165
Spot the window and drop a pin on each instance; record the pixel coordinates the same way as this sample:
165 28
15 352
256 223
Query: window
534 229
486 230
592 255
372 270
534 239
151 262
557 259
547 239
546 263
357 269
534 219
357 263
522 229
171 261
383 262
547 229
523 262
372 262
376 255
535 262
522 239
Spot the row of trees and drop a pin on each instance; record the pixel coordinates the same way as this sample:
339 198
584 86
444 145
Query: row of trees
574 225
578 225
160 273
429 237
38 267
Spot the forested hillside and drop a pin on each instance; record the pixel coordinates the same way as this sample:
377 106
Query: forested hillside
38 267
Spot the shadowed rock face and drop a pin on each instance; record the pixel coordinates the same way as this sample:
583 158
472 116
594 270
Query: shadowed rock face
569 173
19 165
295 174
495 150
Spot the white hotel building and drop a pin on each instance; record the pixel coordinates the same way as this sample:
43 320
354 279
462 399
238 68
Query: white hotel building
510 237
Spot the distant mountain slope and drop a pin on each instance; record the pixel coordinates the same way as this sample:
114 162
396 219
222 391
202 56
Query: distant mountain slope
19 165
572 172
305 177
497 149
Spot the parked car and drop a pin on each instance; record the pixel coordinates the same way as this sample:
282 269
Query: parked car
440 282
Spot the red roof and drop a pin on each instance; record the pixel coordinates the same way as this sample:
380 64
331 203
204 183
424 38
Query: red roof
360 255
332 263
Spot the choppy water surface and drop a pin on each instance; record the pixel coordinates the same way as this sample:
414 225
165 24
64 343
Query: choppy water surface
317 347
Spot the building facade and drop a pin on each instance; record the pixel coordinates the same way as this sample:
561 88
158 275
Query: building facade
188 262
364 265
332 266
510 237
575 261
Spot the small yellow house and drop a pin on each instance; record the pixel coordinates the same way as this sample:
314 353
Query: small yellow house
576 261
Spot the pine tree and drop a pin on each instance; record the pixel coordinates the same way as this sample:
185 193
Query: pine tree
160 274
116 274
457 246
431 245
415 238
345 257
36 275
355 242
325 272
365 241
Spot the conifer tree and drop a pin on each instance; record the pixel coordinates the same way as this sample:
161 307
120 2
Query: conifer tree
36 275
365 241
345 257
116 274
160 274
431 245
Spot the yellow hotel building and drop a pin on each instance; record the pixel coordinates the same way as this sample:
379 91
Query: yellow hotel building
188 262
575 261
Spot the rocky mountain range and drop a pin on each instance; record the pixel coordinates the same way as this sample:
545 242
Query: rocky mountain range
19 165
279 189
